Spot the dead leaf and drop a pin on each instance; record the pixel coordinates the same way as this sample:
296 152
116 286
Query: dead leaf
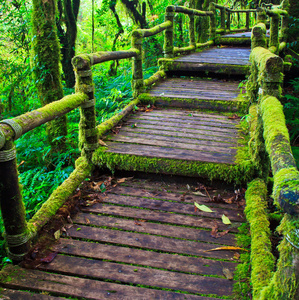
236 256
227 273
182 198
221 234
203 208
49 257
87 221
102 143
234 117
229 200
214 231
230 248
198 193
69 219
137 223
122 180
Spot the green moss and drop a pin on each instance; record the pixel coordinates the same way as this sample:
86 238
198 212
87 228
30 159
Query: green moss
262 260
284 284
258 37
60 195
240 172
239 104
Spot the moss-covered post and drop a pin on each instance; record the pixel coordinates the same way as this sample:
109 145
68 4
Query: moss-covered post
223 15
11 204
192 31
274 33
212 8
228 20
137 80
247 26
88 134
168 36
258 36
204 34
261 15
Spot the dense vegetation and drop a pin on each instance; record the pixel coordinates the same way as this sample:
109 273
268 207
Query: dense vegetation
105 25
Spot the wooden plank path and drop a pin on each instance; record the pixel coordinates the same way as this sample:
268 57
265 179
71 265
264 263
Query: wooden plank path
142 241
182 134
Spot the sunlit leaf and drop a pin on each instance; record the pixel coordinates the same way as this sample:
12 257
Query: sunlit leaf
225 220
203 208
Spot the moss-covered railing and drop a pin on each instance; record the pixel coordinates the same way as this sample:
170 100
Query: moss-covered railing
270 142
19 232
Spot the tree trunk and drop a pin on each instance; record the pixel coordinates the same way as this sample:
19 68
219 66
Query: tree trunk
136 16
46 59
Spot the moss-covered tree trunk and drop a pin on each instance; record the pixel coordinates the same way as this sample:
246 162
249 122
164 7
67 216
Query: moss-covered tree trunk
46 59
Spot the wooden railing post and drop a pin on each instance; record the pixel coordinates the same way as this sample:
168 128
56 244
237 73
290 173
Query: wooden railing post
261 15
88 134
192 31
274 33
223 14
137 80
168 36
258 36
247 20
212 8
228 20
12 207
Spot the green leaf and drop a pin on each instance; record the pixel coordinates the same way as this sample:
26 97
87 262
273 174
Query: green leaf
203 207
225 220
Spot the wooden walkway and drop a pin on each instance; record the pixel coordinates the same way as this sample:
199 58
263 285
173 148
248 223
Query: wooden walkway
142 240
145 239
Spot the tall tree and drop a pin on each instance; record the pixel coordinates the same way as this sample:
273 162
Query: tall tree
46 60
67 33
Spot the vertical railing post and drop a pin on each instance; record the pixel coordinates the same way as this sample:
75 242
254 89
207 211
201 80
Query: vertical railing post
274 33
247 20
222 14
258 36
228 21
137 80
261 15
168 35
192 31
88 134
212 8
13 212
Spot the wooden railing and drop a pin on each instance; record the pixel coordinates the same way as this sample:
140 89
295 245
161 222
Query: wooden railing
18 232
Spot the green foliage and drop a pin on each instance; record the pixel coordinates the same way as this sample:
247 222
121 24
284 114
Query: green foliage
291 111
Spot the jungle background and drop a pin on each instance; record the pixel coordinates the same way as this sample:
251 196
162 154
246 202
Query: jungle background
90 26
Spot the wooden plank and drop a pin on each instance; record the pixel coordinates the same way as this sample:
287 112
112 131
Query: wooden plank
187 129
190 90
171 153
70 286
140 191
217 60
179 134
143 276
126 139
220 145
191 120
180 124
162 217
167 261
153 228
21 295
146 241
182 208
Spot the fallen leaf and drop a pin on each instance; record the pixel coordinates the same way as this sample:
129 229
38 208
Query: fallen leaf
230 248
236 256
188 187
49 257
221 234
229 200
137 223
198 193
122 180
57 234
69 219
87 221
227 273
214 231
182 198
218 199
226 220
203 208
234 117
102 143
